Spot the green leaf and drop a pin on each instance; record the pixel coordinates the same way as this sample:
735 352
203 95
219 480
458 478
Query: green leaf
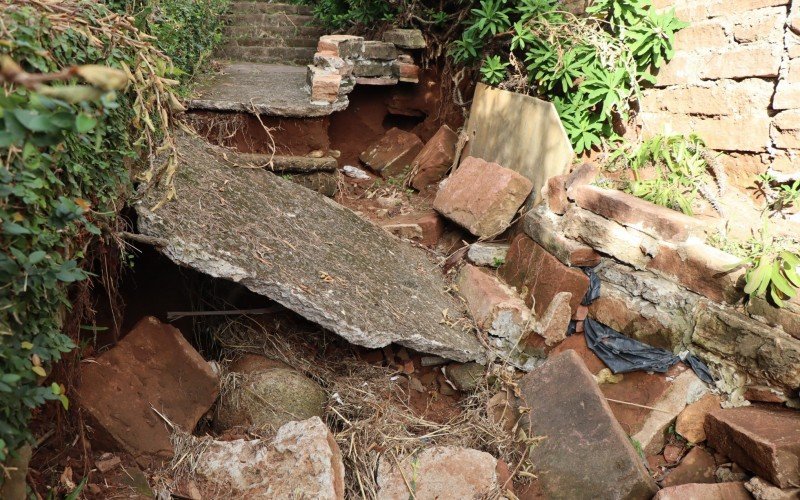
84 123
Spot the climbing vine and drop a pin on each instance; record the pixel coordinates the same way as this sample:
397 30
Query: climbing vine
70 134
591 67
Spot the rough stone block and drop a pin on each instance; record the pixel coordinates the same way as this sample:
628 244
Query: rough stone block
730 7
325 87
344 46
787 95
495 307
487 254
684 68
723 98
377 81
743 62
701 35
764 25
786 130
554 194
787 317
331 62
406 72
586 173
381 51
793 75
405 38
553 324
152 367
702 491
691 422
426 227
584 453
730 339
701 268
372 69
302 461
435 158
392 153
628 210
765 440
608 237
482 197
439 472
545 229
735 133
539 276
698 466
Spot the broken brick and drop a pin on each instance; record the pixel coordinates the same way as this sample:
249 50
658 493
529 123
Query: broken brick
392 154
545 229
344 46
425 228
554 193
718 491
435 158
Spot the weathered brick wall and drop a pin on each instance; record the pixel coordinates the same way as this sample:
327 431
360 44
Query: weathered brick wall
735 81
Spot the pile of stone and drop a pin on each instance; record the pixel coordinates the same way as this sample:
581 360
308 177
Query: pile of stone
342 61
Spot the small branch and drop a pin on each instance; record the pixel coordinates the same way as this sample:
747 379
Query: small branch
638 406
141 238
176 315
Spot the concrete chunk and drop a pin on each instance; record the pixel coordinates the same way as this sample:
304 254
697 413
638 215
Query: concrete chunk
151 367
487 254
482 197
405 38
306 252
584 453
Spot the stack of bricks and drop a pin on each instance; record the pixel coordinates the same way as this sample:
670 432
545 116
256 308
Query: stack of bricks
734 81
342 61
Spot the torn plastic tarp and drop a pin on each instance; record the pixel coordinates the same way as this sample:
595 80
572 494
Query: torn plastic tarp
623 354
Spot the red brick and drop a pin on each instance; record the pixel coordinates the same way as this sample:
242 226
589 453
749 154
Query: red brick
691 422
406 72
152 367
735 133
700 491
426 228
393 153
435 158
786 130
743 62
702 35
637 213
540 276
325 87
585 453
586 173
482 197
729 7
554 193
725 98
345 46
787 95
764 440
697 466
700 268
765 25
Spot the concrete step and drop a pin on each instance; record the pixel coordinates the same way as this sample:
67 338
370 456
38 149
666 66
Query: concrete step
268 8
235 19
269 55
272 42
259 31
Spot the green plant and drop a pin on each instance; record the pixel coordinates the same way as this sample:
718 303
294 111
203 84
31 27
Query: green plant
772 267
68 138
591 68
493 70
671 171
342 14
784 196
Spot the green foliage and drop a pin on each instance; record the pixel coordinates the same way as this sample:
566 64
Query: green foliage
186 30
667 170
65 149
784 196
591 68
772 268
343 14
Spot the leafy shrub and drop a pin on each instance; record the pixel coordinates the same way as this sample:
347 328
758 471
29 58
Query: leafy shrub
66 150
591 67
342 14
772 269
186 30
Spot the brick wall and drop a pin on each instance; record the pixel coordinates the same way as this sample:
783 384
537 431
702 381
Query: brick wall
735 81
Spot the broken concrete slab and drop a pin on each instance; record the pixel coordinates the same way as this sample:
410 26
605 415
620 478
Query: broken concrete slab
302 461
584 452
240 87
393 153
439 472
533 141
280 163
762 439
487 254
153 366
495 307
482 197
306 252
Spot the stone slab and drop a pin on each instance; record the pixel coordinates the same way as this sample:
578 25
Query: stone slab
544 227
704 491
533 141
393 153
306 252
268 89
762 439
153 366
584 452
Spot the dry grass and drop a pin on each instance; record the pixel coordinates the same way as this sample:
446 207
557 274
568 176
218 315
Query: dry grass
367 411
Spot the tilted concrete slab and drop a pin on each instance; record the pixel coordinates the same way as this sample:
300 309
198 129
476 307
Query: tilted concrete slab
306 252
269 89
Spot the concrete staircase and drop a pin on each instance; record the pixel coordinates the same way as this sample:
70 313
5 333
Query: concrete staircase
271 33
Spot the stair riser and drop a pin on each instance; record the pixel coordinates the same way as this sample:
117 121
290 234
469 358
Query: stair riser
273 42
258 31
279 55
268 8
268 20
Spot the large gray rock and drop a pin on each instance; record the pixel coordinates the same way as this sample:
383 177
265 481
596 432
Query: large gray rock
584 452
302 461
266 397
306 252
